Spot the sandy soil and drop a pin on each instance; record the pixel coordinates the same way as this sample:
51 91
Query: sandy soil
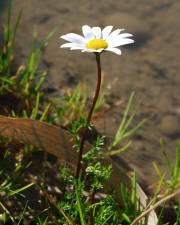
150 67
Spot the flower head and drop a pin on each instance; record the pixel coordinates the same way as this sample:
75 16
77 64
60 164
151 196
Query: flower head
96 40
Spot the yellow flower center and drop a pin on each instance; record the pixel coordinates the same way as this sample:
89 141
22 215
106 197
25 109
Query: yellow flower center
97 44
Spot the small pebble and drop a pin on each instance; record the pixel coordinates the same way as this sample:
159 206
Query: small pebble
57 190
49 189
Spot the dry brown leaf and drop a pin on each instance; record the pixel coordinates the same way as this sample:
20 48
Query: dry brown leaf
46 137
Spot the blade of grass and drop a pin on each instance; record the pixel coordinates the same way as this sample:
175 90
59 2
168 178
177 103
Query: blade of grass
123 119
79 206
23 213
16 27
36 108
7 211
119 151
11 193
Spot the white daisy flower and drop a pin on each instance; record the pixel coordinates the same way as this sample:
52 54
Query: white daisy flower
96 40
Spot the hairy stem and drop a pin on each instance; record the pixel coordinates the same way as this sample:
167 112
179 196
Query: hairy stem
79 163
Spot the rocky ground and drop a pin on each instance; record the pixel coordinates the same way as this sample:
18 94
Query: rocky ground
150 67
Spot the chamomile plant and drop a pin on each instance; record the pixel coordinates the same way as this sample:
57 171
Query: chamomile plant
95 40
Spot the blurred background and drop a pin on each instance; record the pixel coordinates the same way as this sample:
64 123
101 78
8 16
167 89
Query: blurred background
150 67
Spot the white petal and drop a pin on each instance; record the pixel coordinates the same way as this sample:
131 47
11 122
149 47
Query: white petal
75 38
115 50
98 50
78 48
70 45
106 31
92 50
87 32
87 50
124 35
96 32
114 34
115 42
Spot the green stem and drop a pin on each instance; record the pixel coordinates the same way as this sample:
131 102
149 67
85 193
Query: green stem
79 163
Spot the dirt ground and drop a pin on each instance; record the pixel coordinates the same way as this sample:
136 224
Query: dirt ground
150 67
